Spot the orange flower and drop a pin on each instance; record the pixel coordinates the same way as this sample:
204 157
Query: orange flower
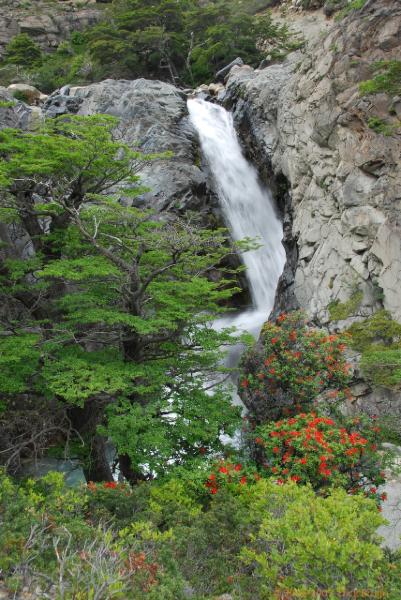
110 485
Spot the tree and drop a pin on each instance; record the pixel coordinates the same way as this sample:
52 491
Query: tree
114 304
23 51
181 40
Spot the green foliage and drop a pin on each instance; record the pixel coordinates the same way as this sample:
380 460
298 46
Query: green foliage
47 539
382 366
21 96
313 545
6 104
380 126
70 63
180 41
23 51
350 7
387 79
342 310
155 539
378 338
124 299
78 148
19 360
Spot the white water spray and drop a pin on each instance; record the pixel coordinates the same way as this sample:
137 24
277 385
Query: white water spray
247 207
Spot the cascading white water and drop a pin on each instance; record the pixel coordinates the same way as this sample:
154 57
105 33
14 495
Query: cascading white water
247 207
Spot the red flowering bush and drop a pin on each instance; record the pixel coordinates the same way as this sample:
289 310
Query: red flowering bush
225 473
311 448
290 366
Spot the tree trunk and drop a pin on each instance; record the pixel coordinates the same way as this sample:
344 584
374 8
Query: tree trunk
97 467
129 473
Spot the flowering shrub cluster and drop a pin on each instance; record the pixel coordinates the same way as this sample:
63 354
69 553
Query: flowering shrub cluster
311 448
226 473
108 485
294 365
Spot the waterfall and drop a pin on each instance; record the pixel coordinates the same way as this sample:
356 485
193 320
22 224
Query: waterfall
247 208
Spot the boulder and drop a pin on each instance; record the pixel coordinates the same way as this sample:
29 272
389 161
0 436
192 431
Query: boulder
153 118
221 75
31 93
60 104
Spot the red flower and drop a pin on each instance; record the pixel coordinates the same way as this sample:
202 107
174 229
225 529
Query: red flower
245 383
303 461
281 317
242 480
383 496
373 490
274 469
276 449
274 340
280 481
238 467
214 490
110 485
223 470
293 335
258 440
295 478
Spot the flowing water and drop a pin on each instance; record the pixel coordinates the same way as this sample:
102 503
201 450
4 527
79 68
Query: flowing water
249 212
247 207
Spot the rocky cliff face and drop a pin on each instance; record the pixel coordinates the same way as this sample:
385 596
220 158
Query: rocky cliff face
305 123
48 23
308 124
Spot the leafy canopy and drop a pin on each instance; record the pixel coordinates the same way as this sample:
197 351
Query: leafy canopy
114 305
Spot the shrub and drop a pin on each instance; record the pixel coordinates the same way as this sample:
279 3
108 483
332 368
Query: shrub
378 338
226 474
313 449
291 367
351 6
23 51
342 310
387 79
313 547
380 126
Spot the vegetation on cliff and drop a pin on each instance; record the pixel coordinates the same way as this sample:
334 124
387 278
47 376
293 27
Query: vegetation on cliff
181 41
